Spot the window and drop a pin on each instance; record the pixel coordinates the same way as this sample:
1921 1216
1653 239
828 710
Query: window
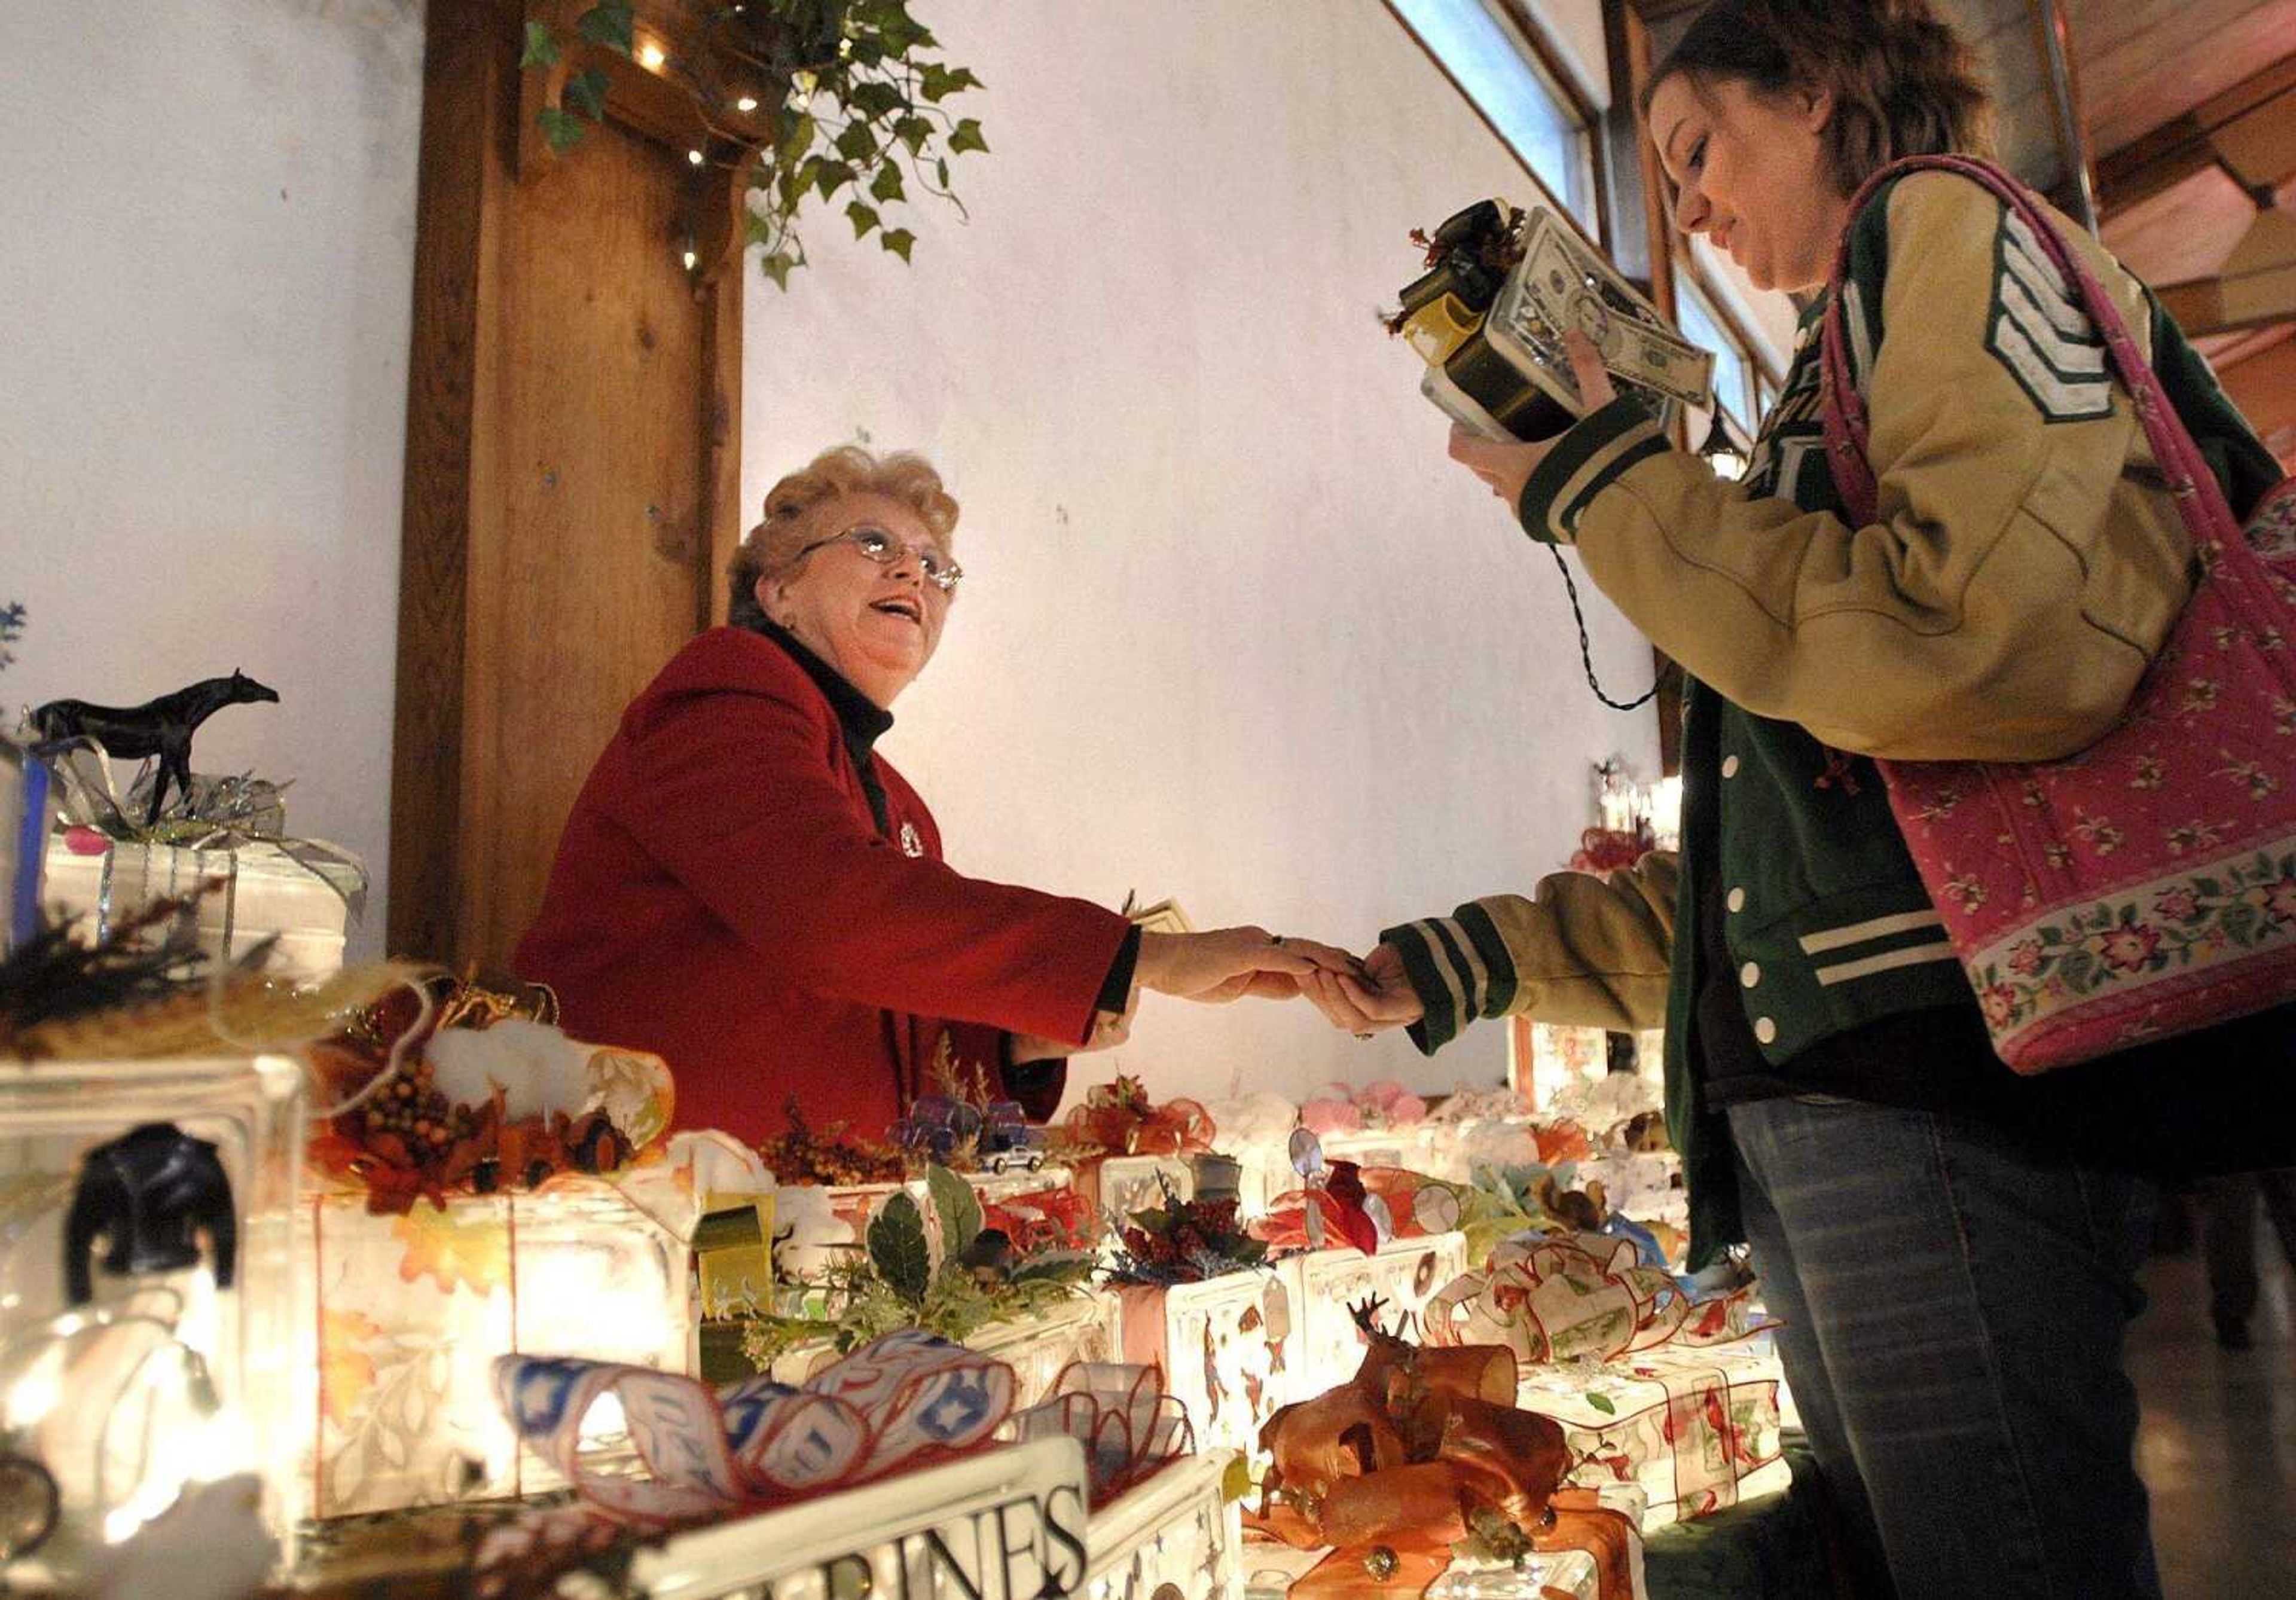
1734 371
1501 72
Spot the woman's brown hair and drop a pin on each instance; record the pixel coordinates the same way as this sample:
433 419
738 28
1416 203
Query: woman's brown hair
1903 81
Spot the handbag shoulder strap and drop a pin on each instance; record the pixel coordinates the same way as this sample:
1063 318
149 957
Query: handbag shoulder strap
2200 499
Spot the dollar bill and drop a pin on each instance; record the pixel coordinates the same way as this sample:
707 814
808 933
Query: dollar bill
1561 285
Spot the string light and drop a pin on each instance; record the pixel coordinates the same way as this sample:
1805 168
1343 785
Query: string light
748 102
693 156
650 56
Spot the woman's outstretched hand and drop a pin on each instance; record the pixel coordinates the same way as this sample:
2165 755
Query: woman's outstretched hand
1376 997
1228 964
1507 468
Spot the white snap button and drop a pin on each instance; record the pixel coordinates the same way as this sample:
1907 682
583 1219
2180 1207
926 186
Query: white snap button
1729 766
1750 975
1765 1030
1737 901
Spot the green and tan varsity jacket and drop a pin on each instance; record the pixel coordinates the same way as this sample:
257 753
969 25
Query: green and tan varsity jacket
2026 564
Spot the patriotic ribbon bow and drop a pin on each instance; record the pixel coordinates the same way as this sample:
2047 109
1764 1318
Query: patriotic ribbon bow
1127 1424
900 1402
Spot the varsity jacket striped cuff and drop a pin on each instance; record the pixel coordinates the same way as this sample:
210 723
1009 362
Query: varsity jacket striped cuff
1459 967
1585 461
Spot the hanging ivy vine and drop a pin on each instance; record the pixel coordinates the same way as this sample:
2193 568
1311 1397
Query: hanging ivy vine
854 89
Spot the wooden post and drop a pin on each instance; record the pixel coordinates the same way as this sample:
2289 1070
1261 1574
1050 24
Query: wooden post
572 463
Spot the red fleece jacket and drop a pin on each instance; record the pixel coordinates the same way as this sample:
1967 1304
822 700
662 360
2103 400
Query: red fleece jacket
722 897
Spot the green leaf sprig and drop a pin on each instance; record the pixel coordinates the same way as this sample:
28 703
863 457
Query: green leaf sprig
892 1284
861 110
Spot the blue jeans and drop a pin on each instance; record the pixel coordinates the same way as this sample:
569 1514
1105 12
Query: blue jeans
1954 1308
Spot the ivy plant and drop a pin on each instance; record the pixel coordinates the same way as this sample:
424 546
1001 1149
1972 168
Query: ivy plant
858 92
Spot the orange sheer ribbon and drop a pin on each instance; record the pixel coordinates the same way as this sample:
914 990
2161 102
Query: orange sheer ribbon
1405 1456
1115 1121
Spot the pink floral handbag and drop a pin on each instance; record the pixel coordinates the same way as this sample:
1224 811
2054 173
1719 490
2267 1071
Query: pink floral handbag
2146 886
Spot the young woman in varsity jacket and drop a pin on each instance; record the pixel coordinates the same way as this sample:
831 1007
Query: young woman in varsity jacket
1953 1247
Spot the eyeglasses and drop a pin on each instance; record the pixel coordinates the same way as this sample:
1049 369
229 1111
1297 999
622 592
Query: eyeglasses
885 550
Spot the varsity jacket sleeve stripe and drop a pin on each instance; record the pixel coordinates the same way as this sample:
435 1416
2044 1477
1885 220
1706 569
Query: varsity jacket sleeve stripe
2026 560
1586 949
1588 460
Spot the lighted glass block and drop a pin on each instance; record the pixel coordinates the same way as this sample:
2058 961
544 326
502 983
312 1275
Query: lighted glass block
856 1203
1266 1172
1645 1185
1121 1185
266 895
1228 1349
1009 1524
411 1311
1405 1147
1561 1056
1650 1057
1174 1534
1403 1276
1082 1328
1566 1573
1695 1428
173 1373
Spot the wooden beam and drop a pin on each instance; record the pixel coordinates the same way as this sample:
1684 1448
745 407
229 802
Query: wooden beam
2152 164
723 522
1633 237
2182 146
470 53
1628 45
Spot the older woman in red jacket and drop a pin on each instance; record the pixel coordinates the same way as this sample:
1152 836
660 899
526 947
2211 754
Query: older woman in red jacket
747 889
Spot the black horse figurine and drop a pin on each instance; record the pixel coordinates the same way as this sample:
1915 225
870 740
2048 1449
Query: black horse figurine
161 727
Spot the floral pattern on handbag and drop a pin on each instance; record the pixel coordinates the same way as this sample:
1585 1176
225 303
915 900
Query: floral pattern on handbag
2146 886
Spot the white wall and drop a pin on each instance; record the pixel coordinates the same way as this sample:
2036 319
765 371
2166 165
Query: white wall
1235 630
207 236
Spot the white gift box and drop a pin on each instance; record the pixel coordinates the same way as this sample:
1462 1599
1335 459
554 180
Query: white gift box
1121 1185
1696 1428
1644 1185
1560 1057
1175 1534
1080 1328
266 893
1564 1575
856 1203
1006 1524
1228 1348
1404 1275
395 1352
161 1377
1404 1147
1009 1523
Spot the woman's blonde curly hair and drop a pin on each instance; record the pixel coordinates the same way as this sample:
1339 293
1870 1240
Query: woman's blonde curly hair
846 470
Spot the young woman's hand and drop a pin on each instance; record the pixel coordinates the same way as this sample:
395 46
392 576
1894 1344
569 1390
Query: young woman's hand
1507 468
1377 996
